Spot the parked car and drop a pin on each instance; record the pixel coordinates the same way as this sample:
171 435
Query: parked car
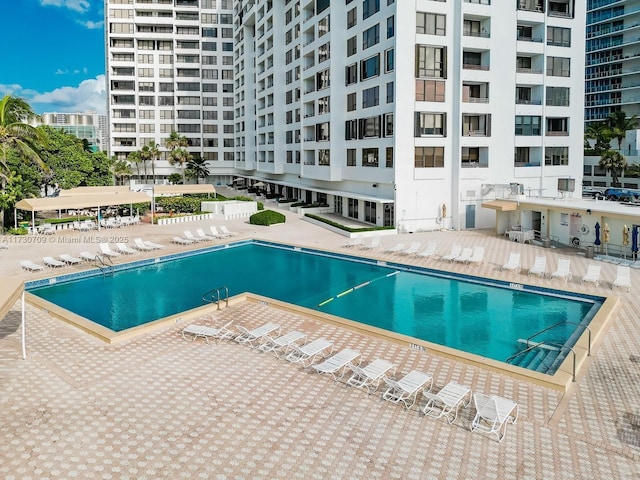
621 194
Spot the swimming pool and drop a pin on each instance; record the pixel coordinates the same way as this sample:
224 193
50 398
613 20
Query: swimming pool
460 312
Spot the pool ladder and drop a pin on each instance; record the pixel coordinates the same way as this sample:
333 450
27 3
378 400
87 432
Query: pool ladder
100 263
214 296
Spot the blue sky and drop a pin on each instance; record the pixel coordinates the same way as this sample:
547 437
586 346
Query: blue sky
53 54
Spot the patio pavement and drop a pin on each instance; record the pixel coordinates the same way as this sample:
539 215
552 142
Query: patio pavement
160 407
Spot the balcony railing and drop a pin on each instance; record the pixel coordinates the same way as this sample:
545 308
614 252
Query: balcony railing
479 2
529 70
472 66
522 101
523 38
476 100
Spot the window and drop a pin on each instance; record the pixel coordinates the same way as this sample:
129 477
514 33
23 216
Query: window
470 156
369 127
352 17
322 132
431 61
324 157
390 92
370 7
142 100
351 130
370 97
428 124
431 23
558 67
389 157
389 60
353 208
351 74
324 52
429 157
391 29
369 212
322 79
371 36
370 67
323 105
351 102
369 157
557 126
557 96
388 125
527 125
351 157
352 46
558 36
556 156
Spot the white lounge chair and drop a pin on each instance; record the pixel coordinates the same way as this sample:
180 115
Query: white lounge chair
139 245
106 250
69 259
396 248
307 354
88 256
564 270
47 229
447 401
513 263
373 244
281 345
122 248
254 337
354 242
202 331
412 250
204 236
225 231
465 256
477 257
539 266
190 236
592 275
406 389
455 252
52 262
155 246
623 277
182 241
29 265
371 375
216 233
493 413
337 364
429 252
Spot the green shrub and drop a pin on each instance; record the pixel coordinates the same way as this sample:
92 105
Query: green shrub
300 204
260 206
344 227
267 217
17 231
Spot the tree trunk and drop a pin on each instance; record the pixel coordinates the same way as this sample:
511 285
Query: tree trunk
4 188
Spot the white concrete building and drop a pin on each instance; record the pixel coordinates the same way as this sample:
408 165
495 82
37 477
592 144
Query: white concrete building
88 126
393 113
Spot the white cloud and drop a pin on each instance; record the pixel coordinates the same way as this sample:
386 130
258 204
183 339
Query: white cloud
90 94
91 25
76 5
16 90
60 71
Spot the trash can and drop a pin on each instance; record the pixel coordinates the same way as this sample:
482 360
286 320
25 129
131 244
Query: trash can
589 252
546 243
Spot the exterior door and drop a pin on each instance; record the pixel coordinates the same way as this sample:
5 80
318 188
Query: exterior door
470 216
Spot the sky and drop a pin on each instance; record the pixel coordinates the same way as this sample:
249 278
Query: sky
53 54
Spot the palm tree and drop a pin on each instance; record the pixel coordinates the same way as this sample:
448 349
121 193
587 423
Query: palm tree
632 170
18 136
613 162
177 145
601 133
197 167
149 153
618 124
120 169
134 158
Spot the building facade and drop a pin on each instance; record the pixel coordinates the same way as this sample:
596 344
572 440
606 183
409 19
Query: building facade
87 126
392 113
612 58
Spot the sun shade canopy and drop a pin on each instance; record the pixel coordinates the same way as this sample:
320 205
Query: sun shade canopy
10 291
82 201
109 190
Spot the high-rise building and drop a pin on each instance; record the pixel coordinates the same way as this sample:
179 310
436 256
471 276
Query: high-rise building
88 126
612 58
390 112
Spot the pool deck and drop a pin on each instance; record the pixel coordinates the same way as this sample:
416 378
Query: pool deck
158 406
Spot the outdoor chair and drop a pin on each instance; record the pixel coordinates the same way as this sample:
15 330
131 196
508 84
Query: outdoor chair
204 236
406 389
88 256
371 375
477 257
202 331
373 244
456 250
106 250
539 266
412 250
155 246
216 233
513 263
354 242
592 275
69 259
30 266
52 262
182 241
190 236
255 336
139 245
309 353
564 270
623 277
429 252
125 249
447 401
337 365
225 231
465 256
280 345
493 413
396 248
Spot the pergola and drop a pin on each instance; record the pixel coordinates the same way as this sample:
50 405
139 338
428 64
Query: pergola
115 196
11 289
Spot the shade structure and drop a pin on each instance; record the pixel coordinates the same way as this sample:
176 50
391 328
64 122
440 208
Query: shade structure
597 229
625 235
81 201
183 189
634 239
500 205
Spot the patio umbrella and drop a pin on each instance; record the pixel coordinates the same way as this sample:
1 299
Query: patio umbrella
625 235
597 240
634 240
605 236
444 210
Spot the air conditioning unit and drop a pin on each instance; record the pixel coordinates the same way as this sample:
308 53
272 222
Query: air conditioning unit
566 184
516 188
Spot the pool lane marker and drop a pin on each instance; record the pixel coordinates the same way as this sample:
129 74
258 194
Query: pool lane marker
352 289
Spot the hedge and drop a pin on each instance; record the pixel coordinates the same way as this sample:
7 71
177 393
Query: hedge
344 227
267 217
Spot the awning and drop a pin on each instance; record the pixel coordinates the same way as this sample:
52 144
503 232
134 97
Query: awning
82 201
182 189
501 205
12 289
72 192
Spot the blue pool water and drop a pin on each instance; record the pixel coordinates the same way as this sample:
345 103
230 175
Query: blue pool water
470 316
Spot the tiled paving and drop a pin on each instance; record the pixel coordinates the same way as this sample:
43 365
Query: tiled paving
160 407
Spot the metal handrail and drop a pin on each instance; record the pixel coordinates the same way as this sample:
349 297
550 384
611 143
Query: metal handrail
217 291
564 322
100 263
550 344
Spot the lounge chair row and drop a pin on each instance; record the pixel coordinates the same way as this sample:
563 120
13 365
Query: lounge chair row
189 238
415 248
563 272
492 412
465 255
139 245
